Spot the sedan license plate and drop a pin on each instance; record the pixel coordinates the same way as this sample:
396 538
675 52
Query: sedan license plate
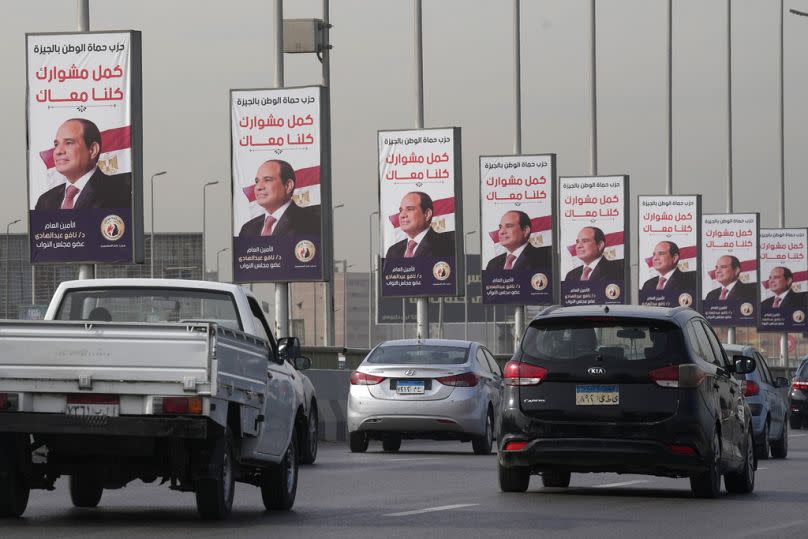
410 387
597 395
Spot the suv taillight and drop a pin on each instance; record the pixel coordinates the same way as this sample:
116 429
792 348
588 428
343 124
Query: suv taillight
517 373
799 384
8 402
467 379
685 375
364 379
750 388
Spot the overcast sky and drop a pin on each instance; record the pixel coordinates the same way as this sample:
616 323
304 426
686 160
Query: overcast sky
194 51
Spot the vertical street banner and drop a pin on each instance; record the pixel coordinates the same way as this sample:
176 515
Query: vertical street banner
593 239
516 216
729 250
420 204
669 232
280 183
783 279
84 142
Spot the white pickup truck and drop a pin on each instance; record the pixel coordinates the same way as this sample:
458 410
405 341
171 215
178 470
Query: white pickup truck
149 379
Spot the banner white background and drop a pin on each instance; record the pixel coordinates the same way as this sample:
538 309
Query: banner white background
784 247
729 234
668 218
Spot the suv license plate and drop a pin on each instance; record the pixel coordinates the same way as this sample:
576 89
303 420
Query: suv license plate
93 410
597 395
410 387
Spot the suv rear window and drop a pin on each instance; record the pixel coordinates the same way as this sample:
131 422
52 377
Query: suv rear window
616 339
418 355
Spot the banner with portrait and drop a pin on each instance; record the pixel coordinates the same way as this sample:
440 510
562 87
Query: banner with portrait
516 216
730 255
280 183
783 279
669 232
84 143
593 239
420 204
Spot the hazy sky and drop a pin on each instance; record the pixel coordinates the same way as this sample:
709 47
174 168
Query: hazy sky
194 51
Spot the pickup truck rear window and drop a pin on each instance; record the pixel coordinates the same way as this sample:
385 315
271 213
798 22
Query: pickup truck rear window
149 305
626 339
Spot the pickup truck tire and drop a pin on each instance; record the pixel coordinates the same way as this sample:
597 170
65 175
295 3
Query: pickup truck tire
279 482
214 493
14 488
308 450
86 489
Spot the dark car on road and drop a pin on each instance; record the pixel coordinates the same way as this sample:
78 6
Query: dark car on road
767 397
799 396
625 389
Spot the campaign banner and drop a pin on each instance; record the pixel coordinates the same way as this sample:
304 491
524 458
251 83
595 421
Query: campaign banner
420 186
783 279
593 237
516 216
730 255
84 142
280 182
669 232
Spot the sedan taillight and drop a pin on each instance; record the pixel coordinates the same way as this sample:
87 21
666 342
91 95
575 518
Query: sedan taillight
517 373
467 379
799 384
750 388
365 379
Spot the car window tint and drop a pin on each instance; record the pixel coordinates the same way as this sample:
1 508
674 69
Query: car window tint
803 370
705 349
482 361
418 354
695 343
493 362
718 351
765 373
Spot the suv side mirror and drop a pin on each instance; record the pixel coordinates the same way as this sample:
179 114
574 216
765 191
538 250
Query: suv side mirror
744 364
781 381
302 363
289 348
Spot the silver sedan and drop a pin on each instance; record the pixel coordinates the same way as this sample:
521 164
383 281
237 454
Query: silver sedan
434 389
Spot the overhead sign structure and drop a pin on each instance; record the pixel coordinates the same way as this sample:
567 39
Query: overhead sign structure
783 279
730 272
516 216
420 202
281 181
669 250
593 238
84 143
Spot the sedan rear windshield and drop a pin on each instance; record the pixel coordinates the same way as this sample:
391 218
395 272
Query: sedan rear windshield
616 339
418 355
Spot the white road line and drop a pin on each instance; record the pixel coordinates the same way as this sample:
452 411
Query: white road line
623 484
419 458
797 435
759 468
764 531
431 510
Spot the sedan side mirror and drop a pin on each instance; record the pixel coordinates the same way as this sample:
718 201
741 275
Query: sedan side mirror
289 348
744 364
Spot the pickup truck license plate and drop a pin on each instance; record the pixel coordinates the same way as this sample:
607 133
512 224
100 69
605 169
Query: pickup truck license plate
93 405
597 395
410 387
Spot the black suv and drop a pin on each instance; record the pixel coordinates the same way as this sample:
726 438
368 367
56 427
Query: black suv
799 396
625 389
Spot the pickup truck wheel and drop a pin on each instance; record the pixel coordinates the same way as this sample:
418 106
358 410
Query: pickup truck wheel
214 492
308 453
86 489
14 488
279 482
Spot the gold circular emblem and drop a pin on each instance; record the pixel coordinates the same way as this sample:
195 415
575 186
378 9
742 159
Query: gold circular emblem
685 300
798 316
112 227
612 291
304 250
747 309
539 281
441 271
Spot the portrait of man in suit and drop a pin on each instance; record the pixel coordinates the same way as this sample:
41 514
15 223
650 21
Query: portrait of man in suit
514 235
415 220
589 246
274 186
727 272
76 149
665 261
780 280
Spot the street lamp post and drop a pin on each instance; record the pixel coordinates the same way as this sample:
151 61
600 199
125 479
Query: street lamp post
151 272
204 207
218 274
8 258
328 301
466 290
370 278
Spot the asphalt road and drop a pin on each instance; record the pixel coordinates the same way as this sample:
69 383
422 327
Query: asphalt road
441 489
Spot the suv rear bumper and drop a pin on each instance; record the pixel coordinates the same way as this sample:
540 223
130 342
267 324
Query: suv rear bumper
138 426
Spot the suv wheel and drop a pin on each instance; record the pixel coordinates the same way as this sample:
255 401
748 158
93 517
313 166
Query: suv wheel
358 441
762 448
743 481
554 478
708 484
780 446
513 479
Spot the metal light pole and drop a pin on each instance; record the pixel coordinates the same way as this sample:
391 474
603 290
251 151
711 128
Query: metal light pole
731 330
281 289
370 278
328 303
151 272
86 271
519 310
345 267
220 251
422 308
466 294
204 246
8 258
593 75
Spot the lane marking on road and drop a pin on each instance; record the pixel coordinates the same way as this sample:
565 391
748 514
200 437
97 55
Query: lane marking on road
431 510
797 435
762 468
407 460
623 484
762 531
